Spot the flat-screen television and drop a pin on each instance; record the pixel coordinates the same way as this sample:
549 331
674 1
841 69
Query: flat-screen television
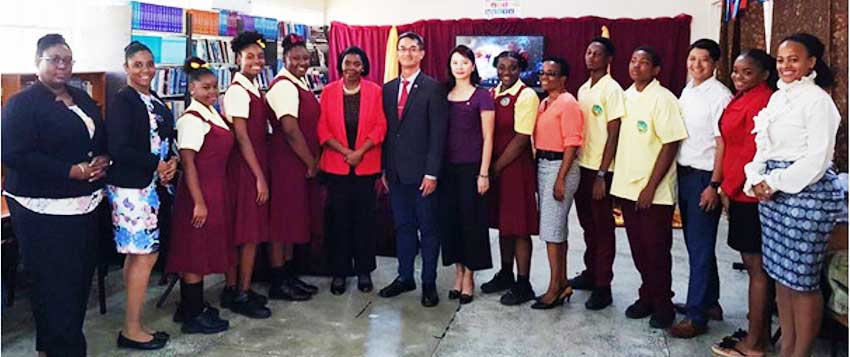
486 48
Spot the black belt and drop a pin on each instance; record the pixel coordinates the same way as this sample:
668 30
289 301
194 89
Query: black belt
682 170
549 155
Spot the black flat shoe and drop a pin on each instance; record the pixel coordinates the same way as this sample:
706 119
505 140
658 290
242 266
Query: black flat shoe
396 288
430 297
338 286
178 314
205 323
243 305
227 295
154 344
638 310
466 299
599 299
501 281
288 292
519 294
162 335
454 294
257 297
364 283
303 286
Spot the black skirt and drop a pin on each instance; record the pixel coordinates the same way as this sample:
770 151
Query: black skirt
464 232
744 227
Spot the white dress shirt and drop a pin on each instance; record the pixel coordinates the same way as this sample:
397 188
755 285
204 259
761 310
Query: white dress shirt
702 105
799 125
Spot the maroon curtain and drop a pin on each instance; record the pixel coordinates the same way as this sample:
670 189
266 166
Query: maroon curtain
564 37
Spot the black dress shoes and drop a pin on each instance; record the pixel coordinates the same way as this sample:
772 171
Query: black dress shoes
287 292
429 296
179 318
205 323
638 310
465 299
519 294
582 281
364 283
662 319
154 344
303 286
454 294
338 286
243 305
599 299
396 288
503 280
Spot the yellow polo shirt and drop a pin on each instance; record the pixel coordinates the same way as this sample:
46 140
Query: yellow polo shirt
525 109
652 119
600 104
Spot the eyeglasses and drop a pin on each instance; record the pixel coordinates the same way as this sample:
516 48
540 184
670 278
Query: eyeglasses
408 49
548 74
68 61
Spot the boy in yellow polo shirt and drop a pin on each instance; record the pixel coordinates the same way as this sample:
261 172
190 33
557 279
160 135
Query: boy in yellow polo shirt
603 103
645 183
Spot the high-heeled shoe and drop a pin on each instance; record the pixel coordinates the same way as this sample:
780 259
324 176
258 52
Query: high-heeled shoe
565 294
454 294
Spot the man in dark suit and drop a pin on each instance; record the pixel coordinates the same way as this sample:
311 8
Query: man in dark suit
416 109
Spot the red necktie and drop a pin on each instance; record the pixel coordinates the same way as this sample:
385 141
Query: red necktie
403 100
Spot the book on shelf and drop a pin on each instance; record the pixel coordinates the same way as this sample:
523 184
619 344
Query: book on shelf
316 78
150 17
212 50
265 77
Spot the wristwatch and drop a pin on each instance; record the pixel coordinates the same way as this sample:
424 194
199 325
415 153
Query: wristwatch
601 174
714 184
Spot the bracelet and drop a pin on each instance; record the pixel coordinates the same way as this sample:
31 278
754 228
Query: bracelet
82 168
483 176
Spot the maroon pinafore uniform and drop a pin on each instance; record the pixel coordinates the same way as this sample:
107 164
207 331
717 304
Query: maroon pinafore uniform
296 202
250 221
205 250
513 208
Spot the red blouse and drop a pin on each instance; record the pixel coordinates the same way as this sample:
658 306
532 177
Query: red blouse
736 126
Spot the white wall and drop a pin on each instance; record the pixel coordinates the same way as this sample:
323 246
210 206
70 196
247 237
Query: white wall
98 30
705 13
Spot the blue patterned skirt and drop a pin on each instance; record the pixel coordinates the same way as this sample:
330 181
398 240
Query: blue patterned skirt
135 222
796 227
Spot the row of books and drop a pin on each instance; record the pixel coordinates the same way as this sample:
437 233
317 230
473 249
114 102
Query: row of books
265 78
205 22
150 17
216 51
298 29
171 81
316 79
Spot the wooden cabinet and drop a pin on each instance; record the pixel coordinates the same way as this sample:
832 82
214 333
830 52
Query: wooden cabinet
92 82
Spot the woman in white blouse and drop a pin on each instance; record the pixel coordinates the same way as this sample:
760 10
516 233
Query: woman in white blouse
699 168
792 176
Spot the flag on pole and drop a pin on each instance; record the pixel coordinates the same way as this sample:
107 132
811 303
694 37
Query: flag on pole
391 61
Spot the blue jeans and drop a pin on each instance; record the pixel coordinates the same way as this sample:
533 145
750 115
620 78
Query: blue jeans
700 228
416 228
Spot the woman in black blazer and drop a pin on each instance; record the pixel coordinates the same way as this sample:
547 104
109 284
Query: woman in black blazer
53 150
140 131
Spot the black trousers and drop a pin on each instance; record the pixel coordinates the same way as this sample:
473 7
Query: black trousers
59 256
350 224
464 225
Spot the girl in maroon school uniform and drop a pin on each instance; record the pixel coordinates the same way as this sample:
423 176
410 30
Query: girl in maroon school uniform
296 211
246 110
200 232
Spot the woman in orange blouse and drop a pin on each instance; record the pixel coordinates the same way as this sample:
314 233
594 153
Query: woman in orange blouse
557 137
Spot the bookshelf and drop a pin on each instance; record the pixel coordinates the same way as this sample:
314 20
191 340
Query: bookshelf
92 82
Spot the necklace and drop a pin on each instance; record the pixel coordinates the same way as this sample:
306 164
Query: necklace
351 91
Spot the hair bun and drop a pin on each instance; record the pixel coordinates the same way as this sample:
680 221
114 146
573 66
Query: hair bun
194 64
291 41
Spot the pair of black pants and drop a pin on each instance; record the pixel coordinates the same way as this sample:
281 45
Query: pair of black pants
59 256
464 230
350 224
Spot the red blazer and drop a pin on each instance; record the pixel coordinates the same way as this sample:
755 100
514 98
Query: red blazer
372 125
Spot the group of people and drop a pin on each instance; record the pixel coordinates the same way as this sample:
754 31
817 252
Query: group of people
456 159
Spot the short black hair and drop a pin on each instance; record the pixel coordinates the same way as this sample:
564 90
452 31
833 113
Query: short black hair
605 42
562 63
291 41
195 68
354 50
521 61
653 54
825 76
48 41
413 36
245 39
133 48
709 45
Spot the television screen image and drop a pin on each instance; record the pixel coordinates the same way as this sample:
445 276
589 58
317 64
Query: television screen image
486 48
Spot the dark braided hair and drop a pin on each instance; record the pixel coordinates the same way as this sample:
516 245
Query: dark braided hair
196 68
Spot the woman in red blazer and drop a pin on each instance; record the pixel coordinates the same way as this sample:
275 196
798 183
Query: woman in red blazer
351 127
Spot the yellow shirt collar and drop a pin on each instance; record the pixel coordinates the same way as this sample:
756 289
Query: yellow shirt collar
513 90
298 81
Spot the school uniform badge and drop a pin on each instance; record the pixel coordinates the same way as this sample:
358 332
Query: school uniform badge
505 101
642 126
